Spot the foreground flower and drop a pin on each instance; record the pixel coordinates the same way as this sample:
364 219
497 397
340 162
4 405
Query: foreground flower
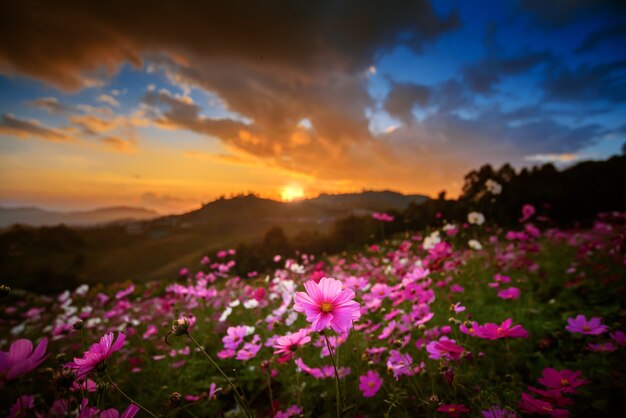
129 412
565 380
96 354
453 410
286 346
21 358
326 304
581 325
531 405
370 383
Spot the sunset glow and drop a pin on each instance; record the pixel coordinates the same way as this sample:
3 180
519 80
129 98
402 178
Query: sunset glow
291 193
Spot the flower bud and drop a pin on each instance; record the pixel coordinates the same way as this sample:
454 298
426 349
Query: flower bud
78 325
4 290
175 399
180 327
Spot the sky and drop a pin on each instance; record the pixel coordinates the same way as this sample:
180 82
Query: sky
167 105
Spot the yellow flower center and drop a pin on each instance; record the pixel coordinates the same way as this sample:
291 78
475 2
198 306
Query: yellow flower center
564 382
451 409
546 408
326 307
586 328
499 331
370 384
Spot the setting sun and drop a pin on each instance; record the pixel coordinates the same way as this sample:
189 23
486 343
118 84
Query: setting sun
291 193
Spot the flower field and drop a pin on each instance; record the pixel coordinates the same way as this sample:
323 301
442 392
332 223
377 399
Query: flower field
462 320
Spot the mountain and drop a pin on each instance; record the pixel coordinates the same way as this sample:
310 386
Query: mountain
50 258
39 217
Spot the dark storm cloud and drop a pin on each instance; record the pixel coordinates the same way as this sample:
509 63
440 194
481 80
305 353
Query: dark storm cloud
403 97
66 42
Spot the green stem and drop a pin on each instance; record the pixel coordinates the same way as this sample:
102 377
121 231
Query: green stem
337 385
237 395
126 396
187 411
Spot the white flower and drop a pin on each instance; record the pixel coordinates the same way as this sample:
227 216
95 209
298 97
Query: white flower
448 227
493 187
431 240
476 218
251 303
82 290
225 314
475 245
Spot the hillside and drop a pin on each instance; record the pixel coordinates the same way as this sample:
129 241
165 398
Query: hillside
40 217
51 258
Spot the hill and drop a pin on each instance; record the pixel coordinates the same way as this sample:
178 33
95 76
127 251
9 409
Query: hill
40 217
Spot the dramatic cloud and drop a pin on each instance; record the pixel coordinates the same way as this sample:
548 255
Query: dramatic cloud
404 97
50 104
10 125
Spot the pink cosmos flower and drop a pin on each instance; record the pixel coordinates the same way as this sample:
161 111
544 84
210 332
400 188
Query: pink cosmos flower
292 411
497 412
531 405
234 337
326 304
499 278
286 346
21 406
606 347
527 212
505 330
619 337
370 383
581 325
96 354
21 358
444 348
510 293
129 412
452 409
565 380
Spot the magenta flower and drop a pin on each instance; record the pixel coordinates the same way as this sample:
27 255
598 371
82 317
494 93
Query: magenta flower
21 406
96 354
286 346
234 337
527 212
444 348
21 358
606 347
452 409
326 304
582 326
129 412
505 330
619 337
497 412
510 293
531 405
565 380
370 383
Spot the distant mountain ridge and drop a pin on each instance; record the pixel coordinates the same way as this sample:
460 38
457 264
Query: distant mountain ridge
324 208
40 217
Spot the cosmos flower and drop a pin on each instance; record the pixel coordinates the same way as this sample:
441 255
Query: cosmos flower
452 409
564 380
531 405
21 358
497 412
129 412
581 325
444 348
234 336
510 293
96 354
527 212
370 383
326 304
476 218
505 330
285 346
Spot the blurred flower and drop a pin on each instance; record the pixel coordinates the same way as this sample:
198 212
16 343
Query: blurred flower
476 218
475 245
21 358
564 380
510 293
493 187
527 212
21 406
531 405
326 304
370 383
581 325
452 409
505 330
497 412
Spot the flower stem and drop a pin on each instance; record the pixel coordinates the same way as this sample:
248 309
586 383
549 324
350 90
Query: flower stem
337 385
269 388
126 396
237 395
